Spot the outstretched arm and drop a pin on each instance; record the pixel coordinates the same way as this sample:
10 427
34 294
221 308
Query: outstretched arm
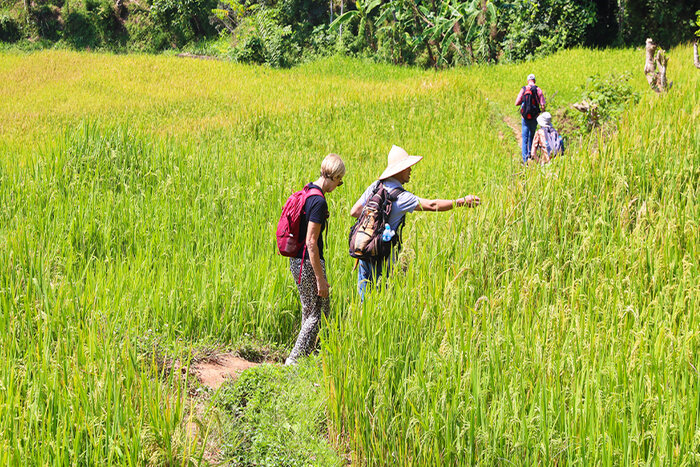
357 209
447 204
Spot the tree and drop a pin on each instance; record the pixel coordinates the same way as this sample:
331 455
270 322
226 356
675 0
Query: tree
667 21
656 58
362 14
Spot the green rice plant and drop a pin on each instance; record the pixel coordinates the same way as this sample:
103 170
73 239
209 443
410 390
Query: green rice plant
556 323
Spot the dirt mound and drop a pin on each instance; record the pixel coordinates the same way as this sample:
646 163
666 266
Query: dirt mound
216 369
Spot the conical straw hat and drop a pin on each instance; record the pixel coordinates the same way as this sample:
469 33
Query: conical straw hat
398 161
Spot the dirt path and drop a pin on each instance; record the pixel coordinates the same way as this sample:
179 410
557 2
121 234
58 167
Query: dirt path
517 131
213 371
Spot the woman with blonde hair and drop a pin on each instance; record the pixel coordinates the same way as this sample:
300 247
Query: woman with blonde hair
309 264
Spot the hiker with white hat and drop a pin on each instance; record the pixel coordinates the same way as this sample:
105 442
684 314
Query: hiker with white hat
388 189
546 141
531 102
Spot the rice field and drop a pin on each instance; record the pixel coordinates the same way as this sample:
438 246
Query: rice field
555 324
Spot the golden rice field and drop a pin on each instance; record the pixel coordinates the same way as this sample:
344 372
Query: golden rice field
558 323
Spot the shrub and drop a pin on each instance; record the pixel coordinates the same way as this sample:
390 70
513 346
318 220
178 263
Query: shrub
183 20
9 29
276 416
539 28
259 38
79 30
45 17
109 24
142 31
605 99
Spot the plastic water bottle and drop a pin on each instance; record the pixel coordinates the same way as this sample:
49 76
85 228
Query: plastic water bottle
388 233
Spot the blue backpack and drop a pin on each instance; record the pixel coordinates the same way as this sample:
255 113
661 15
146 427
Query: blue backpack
555 143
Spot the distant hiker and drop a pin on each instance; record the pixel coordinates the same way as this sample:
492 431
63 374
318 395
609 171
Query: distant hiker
388 195
308 209
546 141
531 102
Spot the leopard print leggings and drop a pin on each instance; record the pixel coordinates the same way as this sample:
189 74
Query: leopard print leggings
312 306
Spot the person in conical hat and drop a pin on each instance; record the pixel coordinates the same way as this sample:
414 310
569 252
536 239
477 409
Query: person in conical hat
393 179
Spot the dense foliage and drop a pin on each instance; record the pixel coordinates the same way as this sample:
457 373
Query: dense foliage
284 32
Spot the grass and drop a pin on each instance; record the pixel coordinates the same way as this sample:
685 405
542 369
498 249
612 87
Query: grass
276 417
556 323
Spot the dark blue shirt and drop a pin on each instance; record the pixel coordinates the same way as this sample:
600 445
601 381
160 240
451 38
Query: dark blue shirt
315 210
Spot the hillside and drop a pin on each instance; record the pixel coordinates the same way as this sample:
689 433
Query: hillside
556 323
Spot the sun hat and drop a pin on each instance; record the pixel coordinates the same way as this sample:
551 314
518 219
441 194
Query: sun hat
398 161
544 119
531 77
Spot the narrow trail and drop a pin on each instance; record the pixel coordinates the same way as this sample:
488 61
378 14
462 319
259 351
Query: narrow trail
211 372
510 121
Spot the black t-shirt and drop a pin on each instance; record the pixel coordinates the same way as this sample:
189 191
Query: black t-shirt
315 210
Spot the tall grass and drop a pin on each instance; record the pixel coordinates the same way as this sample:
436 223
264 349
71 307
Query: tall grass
558 324
555 323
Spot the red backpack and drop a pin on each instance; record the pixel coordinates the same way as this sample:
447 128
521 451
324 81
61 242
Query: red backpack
530 107
288 241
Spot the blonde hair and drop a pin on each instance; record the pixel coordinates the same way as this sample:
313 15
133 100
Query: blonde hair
332 166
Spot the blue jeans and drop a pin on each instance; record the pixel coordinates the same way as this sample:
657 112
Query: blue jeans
369 273
529 128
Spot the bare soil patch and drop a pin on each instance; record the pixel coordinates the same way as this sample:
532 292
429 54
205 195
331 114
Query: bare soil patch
216 369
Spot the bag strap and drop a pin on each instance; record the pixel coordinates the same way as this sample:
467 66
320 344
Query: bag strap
308 192
394 194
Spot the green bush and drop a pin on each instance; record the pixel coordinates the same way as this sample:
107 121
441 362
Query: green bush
111 29
183 20
144 35
276 417
45 18
9 29
665 21
79 30
607 98
539 28
259 38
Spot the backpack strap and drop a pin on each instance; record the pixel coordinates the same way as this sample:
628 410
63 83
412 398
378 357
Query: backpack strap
394 194
398 240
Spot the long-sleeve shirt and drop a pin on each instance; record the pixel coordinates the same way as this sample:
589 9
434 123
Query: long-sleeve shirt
539 142
540 97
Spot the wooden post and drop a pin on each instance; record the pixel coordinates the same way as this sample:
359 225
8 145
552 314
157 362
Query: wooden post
696 60
656 58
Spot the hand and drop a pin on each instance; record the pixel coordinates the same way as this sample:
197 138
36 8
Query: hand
471 201
322 287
